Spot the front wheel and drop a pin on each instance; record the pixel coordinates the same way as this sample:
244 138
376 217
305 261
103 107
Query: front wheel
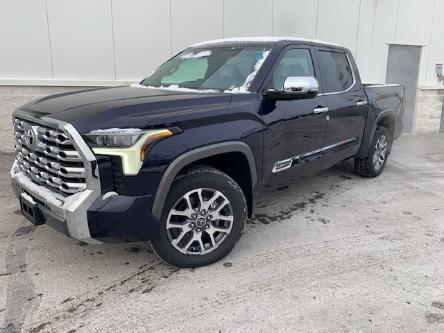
202 220
373 164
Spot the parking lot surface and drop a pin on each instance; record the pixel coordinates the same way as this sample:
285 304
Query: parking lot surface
330 253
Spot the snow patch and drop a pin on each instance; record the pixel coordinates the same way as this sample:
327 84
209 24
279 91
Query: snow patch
192 55
25 182
175 87
244 87
260 39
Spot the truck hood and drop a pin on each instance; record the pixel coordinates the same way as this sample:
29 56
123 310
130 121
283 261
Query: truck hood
123 107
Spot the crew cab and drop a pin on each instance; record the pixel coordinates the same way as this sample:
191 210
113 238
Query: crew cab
179 158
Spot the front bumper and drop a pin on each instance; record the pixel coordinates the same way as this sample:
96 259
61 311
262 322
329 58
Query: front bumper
89 216
68 216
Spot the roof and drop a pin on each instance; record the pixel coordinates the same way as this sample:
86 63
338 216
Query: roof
261 39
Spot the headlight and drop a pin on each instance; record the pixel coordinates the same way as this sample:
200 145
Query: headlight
130 144
114 137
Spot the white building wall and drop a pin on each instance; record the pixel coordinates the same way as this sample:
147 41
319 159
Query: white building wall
435 47
289 19
24 42
83 41
195 20
365 40
142 36
338 22
51 46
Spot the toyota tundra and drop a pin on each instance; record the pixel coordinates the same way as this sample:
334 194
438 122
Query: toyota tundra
179 158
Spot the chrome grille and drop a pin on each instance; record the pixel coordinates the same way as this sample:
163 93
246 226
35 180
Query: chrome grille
48 157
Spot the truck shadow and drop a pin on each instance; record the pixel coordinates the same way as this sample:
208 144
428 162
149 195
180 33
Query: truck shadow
303 194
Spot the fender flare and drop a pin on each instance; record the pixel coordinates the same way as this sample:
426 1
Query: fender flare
196 154
384 114
369 133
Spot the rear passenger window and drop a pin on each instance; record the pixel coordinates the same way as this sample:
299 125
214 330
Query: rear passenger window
337 69
296 62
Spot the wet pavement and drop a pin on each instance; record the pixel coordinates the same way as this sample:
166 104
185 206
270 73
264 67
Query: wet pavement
332 252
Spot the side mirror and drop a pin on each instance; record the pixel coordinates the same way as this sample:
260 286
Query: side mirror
296 87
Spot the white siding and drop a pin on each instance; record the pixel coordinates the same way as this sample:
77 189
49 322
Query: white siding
338 22
290 20
247 18
414 21
24 43
81 39
435 45
141 36
107 40
384 34
366 32
185 15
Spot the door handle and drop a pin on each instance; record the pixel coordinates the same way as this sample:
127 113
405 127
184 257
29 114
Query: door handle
320 110
361 103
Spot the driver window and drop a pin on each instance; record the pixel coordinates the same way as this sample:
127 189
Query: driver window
296 62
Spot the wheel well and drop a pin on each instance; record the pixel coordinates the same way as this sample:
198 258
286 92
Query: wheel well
389 123
235 165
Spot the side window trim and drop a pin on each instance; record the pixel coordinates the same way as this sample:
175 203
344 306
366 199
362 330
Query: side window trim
290 56
314 60
323 73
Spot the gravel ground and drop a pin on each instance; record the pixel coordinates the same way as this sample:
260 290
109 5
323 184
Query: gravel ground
332 253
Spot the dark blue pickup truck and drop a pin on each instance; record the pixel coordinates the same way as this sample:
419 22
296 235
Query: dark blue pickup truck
179 158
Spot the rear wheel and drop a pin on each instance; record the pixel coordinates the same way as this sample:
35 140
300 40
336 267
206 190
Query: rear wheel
373 164
203 218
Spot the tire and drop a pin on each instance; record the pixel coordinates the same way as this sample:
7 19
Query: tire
373 164
204 215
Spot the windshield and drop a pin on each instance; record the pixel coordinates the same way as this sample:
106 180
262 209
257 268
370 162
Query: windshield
227 69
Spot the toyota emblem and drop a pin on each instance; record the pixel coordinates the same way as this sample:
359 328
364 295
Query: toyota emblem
30 137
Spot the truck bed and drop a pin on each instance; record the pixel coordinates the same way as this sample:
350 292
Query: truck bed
384 98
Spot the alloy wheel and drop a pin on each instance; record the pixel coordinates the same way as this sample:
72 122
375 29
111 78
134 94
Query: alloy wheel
199 221
380 152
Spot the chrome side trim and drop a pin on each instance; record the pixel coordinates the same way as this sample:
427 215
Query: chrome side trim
320 110
349 88
383 85
288 163
284 165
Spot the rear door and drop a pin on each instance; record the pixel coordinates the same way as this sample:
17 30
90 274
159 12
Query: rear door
347 105
294 131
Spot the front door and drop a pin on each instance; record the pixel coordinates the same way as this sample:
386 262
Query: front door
295 132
